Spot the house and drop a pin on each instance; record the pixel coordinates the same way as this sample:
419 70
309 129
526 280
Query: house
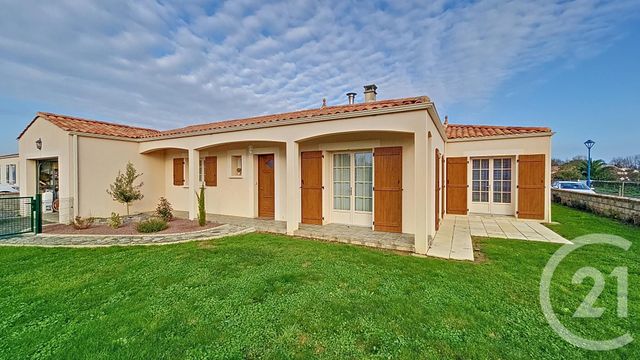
391 165
9 171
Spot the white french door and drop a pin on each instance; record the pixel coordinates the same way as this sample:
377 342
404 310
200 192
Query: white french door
352 188
492 186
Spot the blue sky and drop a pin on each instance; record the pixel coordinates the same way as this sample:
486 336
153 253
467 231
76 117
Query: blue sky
570 65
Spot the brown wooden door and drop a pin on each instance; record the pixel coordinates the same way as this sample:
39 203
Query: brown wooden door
311 185
457 186
266 186
531 186
387 189
437 189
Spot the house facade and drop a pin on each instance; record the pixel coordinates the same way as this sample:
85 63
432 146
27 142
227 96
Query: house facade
9 170
390 165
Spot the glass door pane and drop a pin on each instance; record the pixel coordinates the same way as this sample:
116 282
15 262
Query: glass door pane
342 181
364 181
480 180
502 181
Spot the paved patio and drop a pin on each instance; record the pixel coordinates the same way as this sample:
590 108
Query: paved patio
453 240
358 235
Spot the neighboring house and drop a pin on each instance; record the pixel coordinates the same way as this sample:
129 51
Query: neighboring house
9 170
391 165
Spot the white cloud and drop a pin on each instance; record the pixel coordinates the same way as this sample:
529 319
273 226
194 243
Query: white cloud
169 64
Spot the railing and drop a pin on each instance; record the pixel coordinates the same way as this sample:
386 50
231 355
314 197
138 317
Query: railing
19 215
617 188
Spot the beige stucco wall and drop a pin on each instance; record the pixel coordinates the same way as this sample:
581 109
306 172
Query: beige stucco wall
233 195
507 147
99 161
56 143
4 162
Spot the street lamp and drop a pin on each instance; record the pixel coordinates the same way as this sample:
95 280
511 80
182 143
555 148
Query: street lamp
589 144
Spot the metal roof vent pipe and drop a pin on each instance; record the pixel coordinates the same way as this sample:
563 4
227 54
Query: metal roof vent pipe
352 98
370 93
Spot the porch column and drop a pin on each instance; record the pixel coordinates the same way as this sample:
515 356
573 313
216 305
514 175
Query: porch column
293 186
194 184
421 199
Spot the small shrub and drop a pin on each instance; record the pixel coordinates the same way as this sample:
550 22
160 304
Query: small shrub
115 221
152 225
80 223
164 210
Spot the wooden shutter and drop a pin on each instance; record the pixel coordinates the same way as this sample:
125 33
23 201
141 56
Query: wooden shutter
531 186
178 172
457 186
437 190
211 171
387 212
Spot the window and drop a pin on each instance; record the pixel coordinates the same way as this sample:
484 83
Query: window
502 181
10 174
364 181
201 171
480 190
342 182
236 165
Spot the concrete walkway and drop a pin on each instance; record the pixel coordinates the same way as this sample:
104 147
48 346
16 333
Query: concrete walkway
453 240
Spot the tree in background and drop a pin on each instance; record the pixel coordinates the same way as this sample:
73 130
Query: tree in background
627 162
123 189
599 170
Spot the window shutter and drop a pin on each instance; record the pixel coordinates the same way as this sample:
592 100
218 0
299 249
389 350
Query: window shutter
178 172
211 171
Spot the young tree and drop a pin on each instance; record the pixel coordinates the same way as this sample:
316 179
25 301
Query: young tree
123 189
202 213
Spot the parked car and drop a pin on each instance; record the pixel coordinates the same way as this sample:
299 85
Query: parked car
8 189
576 186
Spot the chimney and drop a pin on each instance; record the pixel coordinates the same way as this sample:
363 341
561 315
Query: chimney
352 98
370 93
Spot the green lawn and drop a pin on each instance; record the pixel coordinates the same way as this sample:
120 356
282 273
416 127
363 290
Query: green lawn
266 296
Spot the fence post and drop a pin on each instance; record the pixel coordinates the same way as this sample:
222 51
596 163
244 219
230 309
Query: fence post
38 214
622 189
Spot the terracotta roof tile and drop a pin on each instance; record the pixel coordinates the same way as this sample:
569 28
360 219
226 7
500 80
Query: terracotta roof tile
274 119
75 124
87 126
455 131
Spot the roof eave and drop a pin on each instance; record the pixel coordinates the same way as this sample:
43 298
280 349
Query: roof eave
298 121
500 137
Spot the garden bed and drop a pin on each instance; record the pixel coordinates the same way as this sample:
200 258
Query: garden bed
175 227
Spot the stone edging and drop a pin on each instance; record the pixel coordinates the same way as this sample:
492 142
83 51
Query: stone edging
98 241
150 235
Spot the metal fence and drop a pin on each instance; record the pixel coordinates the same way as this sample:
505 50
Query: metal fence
617 188
19 215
